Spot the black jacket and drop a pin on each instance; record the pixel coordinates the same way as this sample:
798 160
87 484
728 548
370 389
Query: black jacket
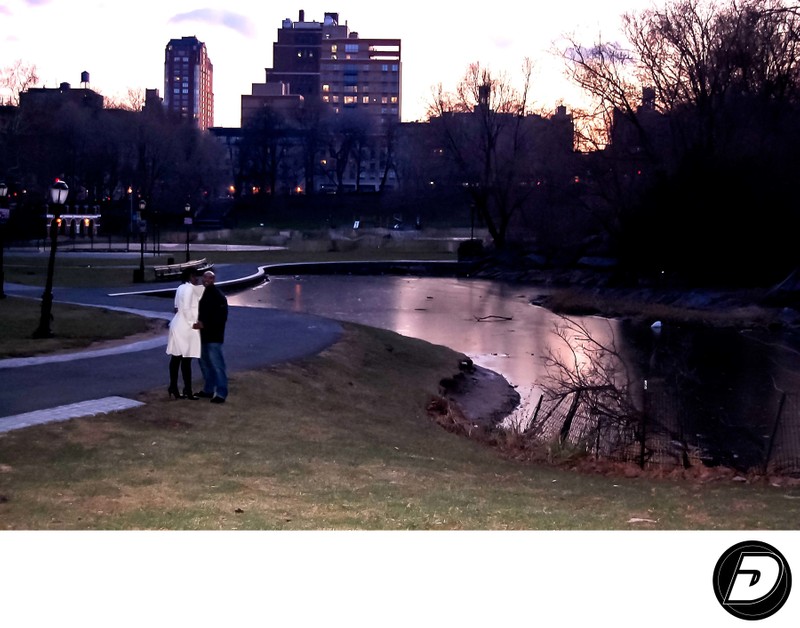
213 313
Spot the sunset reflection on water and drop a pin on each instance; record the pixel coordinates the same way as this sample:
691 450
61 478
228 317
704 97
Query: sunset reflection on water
492 323
717 389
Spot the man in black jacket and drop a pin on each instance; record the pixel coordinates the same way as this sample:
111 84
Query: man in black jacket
212 316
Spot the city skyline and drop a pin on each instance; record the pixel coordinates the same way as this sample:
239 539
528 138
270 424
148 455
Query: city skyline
124 49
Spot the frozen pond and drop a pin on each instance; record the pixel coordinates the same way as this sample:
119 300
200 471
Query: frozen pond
731 397
492 323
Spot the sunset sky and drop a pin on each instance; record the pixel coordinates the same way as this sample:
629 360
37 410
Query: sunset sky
121 44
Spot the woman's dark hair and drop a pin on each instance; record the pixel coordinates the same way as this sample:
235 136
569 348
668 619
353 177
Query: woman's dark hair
186 275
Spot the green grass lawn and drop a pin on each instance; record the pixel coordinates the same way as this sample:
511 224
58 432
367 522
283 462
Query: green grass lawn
74 327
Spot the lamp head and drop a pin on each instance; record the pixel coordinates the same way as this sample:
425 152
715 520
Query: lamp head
58 192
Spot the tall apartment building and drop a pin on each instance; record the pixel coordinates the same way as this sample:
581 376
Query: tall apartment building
188 82
362 74
297 52
326 61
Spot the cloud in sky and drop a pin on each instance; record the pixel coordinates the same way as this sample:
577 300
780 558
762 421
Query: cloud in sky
234 21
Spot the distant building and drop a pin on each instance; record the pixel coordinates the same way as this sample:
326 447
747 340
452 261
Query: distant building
55 97
188 82
153 103
297 52
275 96
322 70
7 115
325 61
363 75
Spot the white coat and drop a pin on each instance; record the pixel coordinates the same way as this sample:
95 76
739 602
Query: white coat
183 340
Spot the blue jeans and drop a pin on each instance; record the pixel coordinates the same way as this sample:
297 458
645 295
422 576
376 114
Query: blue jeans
212 365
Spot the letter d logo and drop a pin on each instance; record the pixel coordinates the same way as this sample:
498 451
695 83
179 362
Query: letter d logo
752 580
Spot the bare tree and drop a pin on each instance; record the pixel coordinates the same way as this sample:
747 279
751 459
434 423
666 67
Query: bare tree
348 137
388 147
484 129
265 143
17 78
134 100
601 390
702 97
312 120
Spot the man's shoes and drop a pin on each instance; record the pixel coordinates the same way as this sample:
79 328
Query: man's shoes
205 395
217 399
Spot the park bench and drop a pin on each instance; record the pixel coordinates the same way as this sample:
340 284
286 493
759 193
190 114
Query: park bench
171 271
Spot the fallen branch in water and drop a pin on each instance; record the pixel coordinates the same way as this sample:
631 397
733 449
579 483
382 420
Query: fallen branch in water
482 319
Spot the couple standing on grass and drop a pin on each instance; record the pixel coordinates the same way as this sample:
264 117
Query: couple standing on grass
198 331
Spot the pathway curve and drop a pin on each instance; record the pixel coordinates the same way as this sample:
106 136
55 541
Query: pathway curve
59 387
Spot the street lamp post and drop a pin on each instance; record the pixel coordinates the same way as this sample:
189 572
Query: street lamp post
187 220
472 221
130 220
4 215
156 233
58 196
138 277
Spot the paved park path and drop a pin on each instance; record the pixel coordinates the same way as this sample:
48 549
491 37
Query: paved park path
59 387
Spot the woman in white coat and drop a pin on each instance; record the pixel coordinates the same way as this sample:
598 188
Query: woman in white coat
183 342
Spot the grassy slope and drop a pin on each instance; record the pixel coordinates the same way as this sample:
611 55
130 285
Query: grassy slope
339 441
